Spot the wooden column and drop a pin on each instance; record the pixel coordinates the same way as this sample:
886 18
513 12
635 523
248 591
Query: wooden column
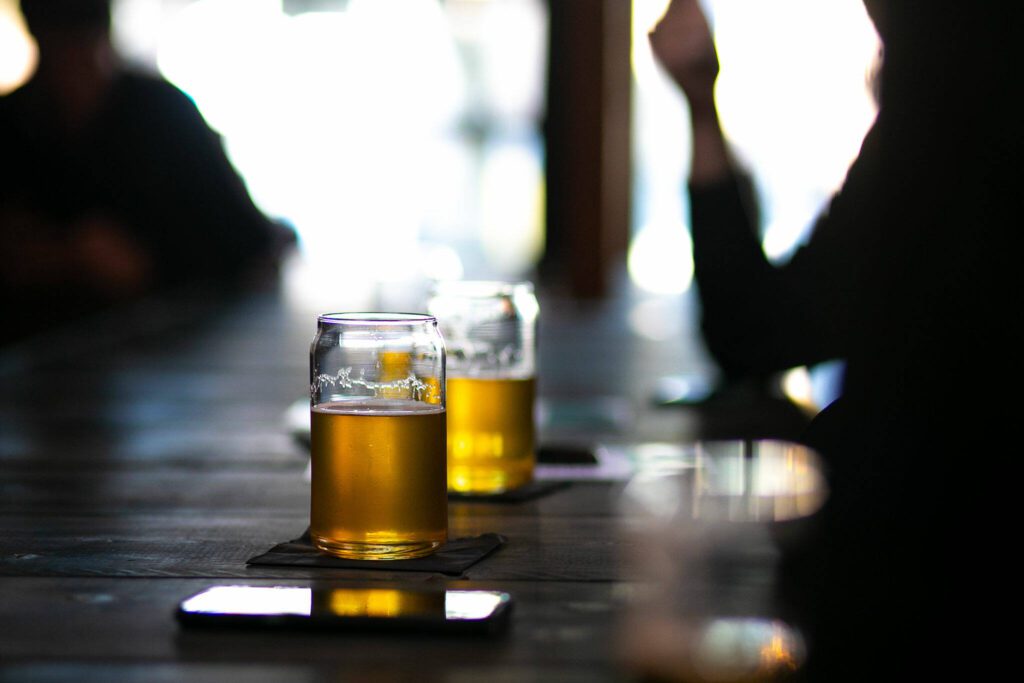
587 134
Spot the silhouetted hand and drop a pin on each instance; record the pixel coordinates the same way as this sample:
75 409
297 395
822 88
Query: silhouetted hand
682 43
109 260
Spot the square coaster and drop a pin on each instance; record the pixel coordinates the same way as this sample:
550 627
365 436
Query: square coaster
454 557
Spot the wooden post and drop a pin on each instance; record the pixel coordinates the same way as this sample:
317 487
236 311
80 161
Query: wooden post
587 135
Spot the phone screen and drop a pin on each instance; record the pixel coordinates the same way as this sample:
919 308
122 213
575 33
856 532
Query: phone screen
331 607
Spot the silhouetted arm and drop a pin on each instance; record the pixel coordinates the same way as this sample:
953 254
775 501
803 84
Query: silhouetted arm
757 318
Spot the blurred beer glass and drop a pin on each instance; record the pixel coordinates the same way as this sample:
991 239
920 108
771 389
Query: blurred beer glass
703 533
377 399
489 330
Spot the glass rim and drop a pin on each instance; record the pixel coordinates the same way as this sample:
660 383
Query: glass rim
480 288
375 318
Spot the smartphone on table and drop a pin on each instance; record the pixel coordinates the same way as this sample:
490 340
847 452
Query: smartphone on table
351 608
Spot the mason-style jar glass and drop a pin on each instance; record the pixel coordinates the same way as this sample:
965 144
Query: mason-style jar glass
490 331
378 474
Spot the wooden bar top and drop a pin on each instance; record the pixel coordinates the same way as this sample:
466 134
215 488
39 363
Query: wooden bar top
145 457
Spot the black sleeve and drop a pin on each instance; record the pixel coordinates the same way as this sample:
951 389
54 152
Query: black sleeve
758 317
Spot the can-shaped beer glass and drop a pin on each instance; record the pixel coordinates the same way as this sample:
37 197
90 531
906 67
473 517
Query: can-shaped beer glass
490 336
377 400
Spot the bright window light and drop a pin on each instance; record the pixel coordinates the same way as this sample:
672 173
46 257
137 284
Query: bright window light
795 102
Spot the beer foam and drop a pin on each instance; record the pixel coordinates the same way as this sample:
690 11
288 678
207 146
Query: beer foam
410 387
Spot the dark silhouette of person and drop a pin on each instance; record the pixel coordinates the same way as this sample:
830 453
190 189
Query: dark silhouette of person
112 185
909 278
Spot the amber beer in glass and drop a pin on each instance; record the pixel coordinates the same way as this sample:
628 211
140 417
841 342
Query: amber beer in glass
378 472
490 334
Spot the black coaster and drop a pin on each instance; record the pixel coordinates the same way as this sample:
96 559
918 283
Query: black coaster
534 489
566 454
454 557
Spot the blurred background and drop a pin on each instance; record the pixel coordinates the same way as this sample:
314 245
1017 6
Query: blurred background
412 140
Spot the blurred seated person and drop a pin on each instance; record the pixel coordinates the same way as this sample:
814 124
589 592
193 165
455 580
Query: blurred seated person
112 185
906 274
910 278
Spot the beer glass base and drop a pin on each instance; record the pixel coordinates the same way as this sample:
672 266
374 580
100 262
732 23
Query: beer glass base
472 480
375 551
